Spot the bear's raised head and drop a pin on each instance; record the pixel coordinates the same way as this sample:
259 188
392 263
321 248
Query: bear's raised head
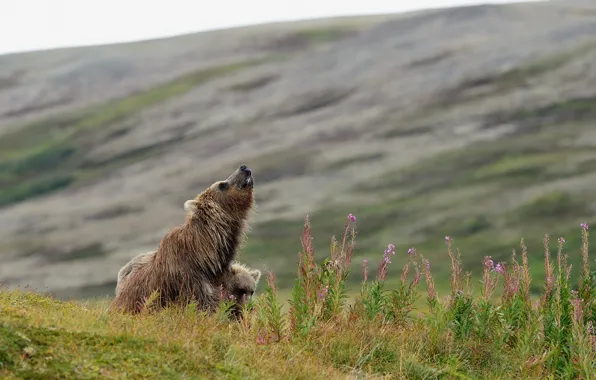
234 196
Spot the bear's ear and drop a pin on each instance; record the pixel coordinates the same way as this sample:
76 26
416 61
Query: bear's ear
256 274
190 205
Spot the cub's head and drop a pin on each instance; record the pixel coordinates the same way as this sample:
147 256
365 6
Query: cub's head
234 194
242 282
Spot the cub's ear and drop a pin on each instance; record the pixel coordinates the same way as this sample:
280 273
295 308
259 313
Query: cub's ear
190 205
256 274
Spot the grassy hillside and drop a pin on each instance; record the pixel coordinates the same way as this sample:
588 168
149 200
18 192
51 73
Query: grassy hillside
382 334
419 124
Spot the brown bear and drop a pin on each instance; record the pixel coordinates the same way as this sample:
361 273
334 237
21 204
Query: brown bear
240 281
193 258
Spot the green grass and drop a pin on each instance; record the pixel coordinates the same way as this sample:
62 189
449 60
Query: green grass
48 353
42 338
392 327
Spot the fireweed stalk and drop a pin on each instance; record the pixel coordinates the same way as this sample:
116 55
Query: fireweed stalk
431 294
548 271
587 286
485 312
319 291
456 269
382 270
373 298
489 279
403 298
391 306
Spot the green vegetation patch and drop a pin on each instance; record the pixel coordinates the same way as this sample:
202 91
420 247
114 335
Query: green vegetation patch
458 225
34 187
511 162
556 205
514 77
42 353
531 166
48 155
42 338
576 110
66 126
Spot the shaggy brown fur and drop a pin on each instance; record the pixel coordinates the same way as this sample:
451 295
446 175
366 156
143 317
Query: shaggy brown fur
240 281
194 257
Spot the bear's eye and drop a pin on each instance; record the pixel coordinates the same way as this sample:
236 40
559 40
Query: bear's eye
223 186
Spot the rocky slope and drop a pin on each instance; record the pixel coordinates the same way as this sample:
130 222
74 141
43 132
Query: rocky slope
475 122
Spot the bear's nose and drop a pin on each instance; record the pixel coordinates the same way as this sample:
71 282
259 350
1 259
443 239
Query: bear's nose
242 168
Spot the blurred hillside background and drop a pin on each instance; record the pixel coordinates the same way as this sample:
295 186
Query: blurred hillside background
474 122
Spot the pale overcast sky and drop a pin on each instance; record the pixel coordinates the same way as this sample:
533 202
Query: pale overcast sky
42 24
